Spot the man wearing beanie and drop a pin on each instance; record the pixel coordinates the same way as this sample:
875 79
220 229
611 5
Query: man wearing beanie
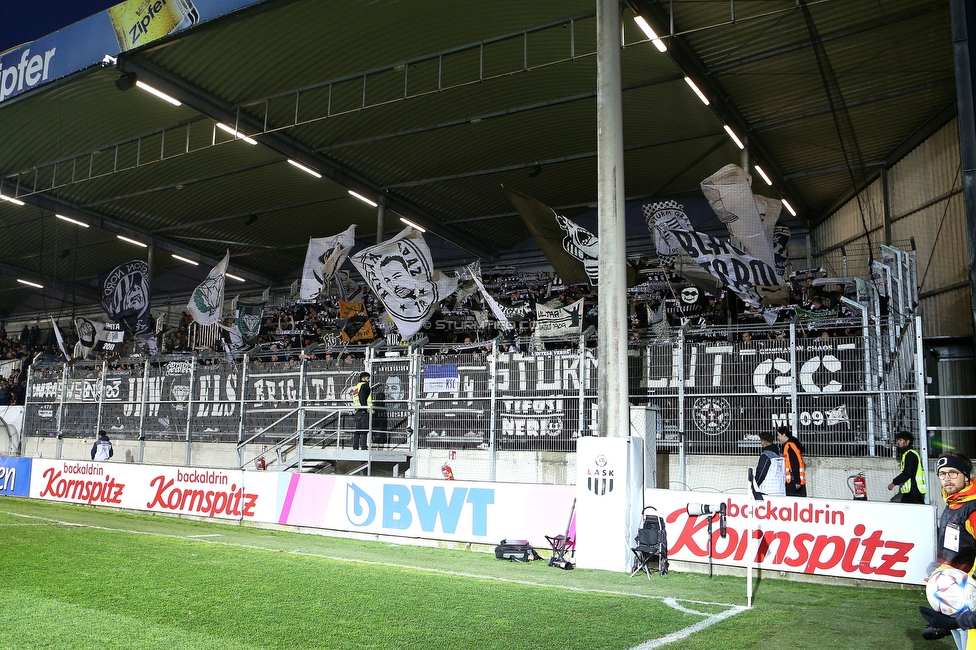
911 480
956 543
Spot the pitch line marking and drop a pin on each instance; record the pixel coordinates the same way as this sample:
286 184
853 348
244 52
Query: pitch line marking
668 600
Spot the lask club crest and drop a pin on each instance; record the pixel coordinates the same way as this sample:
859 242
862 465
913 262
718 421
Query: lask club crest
712 415
599 479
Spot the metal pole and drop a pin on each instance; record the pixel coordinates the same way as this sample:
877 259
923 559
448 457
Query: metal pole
613 396
64 390
415 405
101 396
794 407
962 14
683 447
301 414
144 412
243 420
923 438
493 411
189 410
380 218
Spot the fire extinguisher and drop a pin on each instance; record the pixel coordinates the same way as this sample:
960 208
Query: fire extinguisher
447 472
260 463
858 486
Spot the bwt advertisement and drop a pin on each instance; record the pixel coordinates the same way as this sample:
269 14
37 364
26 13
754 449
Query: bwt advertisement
892 542
483 513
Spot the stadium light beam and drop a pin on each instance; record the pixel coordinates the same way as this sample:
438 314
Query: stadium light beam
760 171
650 33
132 241
412 224
304 168
364 199
237 134
697 90
158 93
70 220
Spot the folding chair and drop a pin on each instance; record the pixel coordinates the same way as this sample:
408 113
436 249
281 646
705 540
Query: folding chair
652 544
563 544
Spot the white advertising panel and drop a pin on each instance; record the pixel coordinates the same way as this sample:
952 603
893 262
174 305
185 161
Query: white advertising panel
174 490
463 511
605 512
852 539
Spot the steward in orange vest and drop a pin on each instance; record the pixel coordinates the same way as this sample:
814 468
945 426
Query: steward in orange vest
796 471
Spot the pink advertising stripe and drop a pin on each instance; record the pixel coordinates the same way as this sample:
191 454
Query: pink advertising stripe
307 500
289 497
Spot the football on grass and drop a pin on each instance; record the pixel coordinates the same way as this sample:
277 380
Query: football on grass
951 591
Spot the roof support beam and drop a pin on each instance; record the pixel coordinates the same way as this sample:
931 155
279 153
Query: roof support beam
63 288
121 228
221 111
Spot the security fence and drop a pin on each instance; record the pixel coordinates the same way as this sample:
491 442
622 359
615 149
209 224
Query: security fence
709 391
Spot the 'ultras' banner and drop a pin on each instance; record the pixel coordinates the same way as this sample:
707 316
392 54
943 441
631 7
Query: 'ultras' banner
875 541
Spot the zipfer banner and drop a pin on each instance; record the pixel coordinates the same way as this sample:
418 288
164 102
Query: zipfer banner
119 28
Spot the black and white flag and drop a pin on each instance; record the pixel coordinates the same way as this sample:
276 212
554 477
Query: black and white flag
751 279
57 335
207 300
662 218
401 273
322 259
473 271
729 192
559 322
247 318
94 336
583 245
125 296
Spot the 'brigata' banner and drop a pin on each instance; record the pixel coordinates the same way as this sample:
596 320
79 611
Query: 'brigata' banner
850 539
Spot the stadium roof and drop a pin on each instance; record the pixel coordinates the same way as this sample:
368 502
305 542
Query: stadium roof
434 106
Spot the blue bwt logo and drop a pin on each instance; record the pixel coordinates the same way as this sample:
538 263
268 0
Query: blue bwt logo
433 509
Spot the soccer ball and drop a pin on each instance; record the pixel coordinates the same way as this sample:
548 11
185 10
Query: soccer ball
951 591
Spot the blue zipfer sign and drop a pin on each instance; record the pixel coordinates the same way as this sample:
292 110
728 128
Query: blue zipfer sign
119 28
15 475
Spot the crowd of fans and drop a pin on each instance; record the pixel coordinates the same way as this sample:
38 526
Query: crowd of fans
657 308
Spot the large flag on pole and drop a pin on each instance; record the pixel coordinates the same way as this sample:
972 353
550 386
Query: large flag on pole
543 222
473 271
57 335
322 259
401 273
247 318
125 296
753 280
207 301
94 336
729 192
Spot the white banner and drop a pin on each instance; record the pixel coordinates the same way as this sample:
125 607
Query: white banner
729 192
322 259
559 322
401 273
892 542
207 300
